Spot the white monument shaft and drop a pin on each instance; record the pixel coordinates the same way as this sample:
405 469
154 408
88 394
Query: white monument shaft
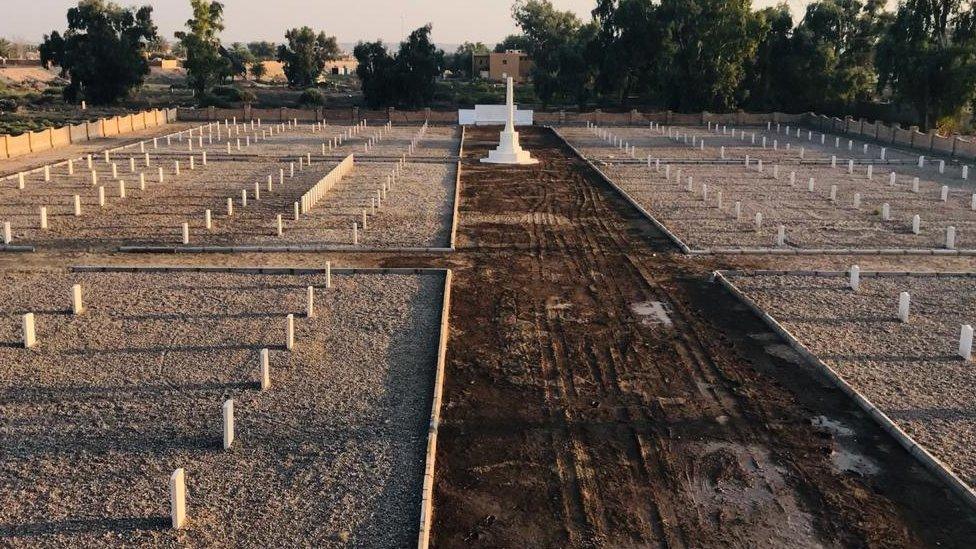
509 151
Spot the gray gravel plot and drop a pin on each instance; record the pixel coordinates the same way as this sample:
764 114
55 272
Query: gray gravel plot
438 142
97 416
418 210
155 217
811 219
909 371
651 142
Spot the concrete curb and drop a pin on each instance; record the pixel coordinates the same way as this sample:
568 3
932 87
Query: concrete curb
930 462
249 270
833 251
427 501
674 238
16 249
275 249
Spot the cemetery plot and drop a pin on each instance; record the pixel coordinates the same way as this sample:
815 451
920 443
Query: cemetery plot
794 207
897 339
724 144
329 440
377 205
223 185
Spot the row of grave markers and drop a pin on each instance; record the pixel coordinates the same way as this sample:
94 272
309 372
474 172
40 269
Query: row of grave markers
885 212
965 349
178 478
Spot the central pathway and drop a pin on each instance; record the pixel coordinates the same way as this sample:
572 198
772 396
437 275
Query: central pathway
601 393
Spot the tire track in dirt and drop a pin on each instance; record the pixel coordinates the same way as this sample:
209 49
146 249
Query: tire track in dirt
571 420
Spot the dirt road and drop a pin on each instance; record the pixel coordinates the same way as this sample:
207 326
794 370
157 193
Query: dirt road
602 393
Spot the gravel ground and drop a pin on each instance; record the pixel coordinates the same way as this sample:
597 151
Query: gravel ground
811 219
155 216
97 416
418 210
910 371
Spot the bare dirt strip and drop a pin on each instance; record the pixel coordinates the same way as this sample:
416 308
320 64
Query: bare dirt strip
600 392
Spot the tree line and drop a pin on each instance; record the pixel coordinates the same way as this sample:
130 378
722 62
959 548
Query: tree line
720 55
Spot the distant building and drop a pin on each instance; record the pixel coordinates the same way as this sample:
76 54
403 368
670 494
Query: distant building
496 66
345 65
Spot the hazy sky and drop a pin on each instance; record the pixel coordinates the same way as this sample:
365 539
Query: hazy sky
349 20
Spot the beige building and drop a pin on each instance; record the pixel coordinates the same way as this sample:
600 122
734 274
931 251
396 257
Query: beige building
345 65
496 66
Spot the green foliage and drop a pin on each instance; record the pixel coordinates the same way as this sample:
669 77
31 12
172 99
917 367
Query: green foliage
262 51
558 43
6 48
928 57
312 96
405 79
205 65
240 57
460 62
305 56
103 51
512 42
258 70
232 94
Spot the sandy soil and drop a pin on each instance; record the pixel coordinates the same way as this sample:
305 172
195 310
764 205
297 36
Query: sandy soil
909 370
420 205
96 417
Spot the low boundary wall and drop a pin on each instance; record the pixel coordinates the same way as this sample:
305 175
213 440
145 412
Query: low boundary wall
12 146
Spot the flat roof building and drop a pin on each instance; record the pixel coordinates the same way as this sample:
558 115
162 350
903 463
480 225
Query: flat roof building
496 66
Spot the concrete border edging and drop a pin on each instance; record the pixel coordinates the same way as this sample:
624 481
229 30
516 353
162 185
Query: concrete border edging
427 498
275 249
929 461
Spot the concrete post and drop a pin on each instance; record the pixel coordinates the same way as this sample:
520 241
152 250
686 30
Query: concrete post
228 412
966 342
44 217
207 220
916 224
186 233
177 498
854 277
8 236
904 302
290 332
30 335
944 193
280 224
857 201
101 197
950 238
265 370
310 306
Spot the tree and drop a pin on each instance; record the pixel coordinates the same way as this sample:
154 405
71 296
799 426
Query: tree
258 70
832 53
629 39
240 57
706 45
928 57
375 69
408 78
418 64
556 41
205 65
305 56
6 48
770 81
103 51
461 61
262 51
512 42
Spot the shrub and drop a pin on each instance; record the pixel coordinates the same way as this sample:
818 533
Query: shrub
312 96
232 94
